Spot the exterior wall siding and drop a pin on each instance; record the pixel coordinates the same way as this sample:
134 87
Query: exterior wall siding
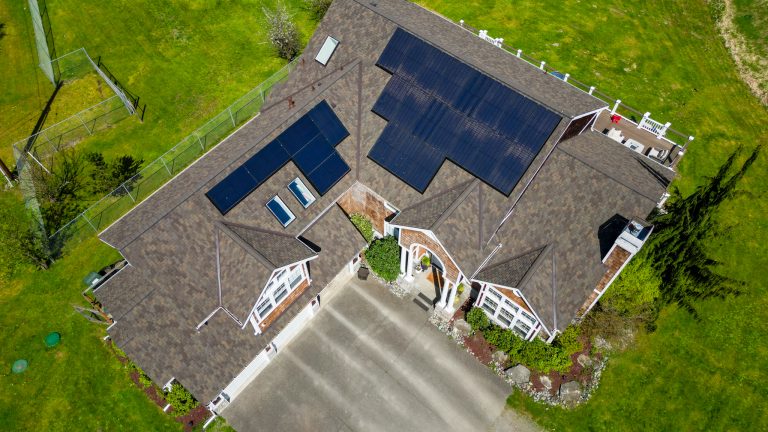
409 237
358 199
616 259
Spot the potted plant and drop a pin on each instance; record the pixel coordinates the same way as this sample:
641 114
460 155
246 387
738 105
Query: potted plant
425 262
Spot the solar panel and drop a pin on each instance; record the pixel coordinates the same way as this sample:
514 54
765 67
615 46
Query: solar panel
313 154
439 107
230 191
328 173
309 142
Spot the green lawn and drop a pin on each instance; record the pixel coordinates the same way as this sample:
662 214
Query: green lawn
78 385
187 61
667 58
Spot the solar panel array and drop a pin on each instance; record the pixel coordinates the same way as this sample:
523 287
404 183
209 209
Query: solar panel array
310 142
438 107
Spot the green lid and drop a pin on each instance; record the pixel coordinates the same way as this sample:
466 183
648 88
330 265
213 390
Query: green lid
52 339
91 278
19 366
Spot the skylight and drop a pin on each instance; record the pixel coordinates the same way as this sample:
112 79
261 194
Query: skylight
325 53
301 192
280 210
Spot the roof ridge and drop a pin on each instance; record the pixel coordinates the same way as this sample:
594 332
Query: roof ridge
536 264
456 203
225 227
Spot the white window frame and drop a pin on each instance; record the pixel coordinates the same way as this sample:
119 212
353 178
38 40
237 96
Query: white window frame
503 303
282 279
280 201
304 191
326 51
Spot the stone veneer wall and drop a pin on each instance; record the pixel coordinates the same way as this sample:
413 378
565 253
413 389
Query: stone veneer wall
359 199
409 237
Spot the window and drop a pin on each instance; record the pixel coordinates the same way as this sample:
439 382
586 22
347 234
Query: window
264 308
280 210
301 192
507 313
280 293
326 51
296 278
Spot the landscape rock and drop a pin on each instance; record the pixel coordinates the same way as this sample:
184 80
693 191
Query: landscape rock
461 328
570 392
602 344
519 374
584 360
500 357
546 382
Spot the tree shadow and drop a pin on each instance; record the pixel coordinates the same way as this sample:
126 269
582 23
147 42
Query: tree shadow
41 119
2 31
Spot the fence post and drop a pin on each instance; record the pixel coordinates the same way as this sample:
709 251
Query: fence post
128 192
690 138
591 89
461 23
166 166
229 110
202 146
541 66
84 125
615 106
89 223
519 53
645 118
565 78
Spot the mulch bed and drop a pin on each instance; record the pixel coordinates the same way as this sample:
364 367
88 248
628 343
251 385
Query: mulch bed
195 417
479 347
153 392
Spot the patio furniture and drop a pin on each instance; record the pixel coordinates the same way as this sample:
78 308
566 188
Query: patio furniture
657 153
615 118
615 134
634 145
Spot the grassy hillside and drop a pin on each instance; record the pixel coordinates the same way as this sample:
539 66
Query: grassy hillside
665 57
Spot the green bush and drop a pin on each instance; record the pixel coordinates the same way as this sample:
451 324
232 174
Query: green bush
569 340
363 224
181 400
477 319
504 339
543 357
384 258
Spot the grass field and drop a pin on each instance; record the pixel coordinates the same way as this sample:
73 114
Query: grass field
667 58
187 61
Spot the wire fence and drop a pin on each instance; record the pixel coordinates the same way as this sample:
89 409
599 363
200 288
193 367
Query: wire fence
41 25
671 135
115 204
41 147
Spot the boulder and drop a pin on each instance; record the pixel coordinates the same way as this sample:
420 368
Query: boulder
519 374
570 392
546 382
461 328
500 357
584 360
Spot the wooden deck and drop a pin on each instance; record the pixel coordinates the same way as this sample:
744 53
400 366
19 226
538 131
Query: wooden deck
630 131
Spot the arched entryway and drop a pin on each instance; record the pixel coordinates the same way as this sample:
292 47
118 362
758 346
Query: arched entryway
431 281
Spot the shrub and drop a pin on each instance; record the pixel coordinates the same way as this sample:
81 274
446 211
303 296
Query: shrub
543 357
478 320
363 224
180 399
384 258
282 31
569 340
318 7
144 379
504 339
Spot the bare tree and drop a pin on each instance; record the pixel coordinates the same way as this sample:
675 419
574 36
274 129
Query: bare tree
282 31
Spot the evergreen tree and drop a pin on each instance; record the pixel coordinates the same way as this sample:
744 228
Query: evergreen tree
677 251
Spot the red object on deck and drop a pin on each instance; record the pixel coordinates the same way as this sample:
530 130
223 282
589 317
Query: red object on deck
615 118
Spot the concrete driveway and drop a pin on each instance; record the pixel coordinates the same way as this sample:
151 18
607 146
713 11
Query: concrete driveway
372 362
